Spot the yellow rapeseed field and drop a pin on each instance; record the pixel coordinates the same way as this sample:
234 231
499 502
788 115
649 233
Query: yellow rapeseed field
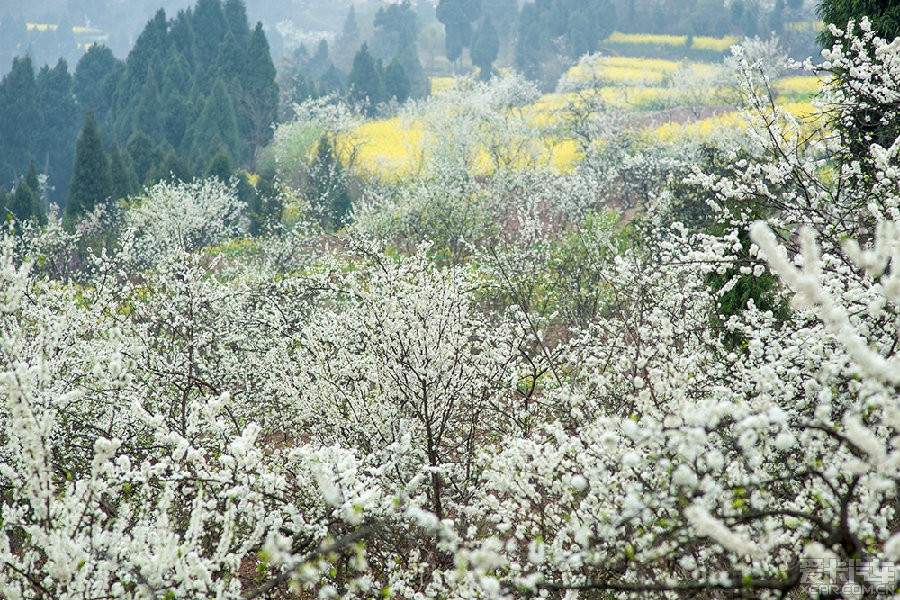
629 70
647 39
389 149
712 44
703 130
799 84
439 85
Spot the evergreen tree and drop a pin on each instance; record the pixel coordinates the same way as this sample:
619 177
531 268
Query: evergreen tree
330 185
457 17
485 48
132 94
20 118
25 205
235 13
220 166
395 27
147 112
396 83
55 141
209 26
122 176
181 34
91 182
365 83
171 168
408 57
176 108
25 201
95 79
144 156
216 126
257 103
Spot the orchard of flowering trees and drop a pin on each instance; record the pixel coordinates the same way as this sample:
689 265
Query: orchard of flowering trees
491 385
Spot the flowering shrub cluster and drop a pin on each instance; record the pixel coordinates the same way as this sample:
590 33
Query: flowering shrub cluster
493 385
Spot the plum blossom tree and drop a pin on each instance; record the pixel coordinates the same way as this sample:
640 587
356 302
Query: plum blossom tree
345 422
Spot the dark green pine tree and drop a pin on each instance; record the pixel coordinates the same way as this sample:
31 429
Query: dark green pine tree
181 34
147 114
216 126
365 84
485 48
220 166
20 118
55 143
528 42
236 19
257 104
95 78
91 181
209 26
144 156
457 17
25 203
171 168
132 94
176 107
396 83
122 176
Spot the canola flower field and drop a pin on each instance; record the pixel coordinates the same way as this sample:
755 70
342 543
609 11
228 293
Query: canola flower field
710 44
395 148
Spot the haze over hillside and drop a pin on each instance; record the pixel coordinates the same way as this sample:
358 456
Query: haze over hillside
45 29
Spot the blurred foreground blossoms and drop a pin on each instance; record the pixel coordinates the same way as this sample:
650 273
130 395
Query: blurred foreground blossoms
701 402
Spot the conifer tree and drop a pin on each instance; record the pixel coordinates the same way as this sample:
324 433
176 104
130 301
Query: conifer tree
20 118
94 80
123 178
457 17
485 48
235 13
217 125
91 182
396 83
365 83
55 141
257 103
144 155
209 28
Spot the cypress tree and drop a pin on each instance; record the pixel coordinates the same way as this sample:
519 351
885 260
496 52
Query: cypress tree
258 104
144 156
235 13
123 178
59 114
91 183
396 83
219 166
217 125
365 83
209 26
95 79
24 204
485 47
20 118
